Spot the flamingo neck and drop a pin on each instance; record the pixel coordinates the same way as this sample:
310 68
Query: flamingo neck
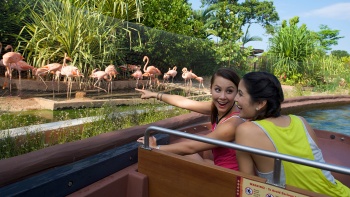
144 67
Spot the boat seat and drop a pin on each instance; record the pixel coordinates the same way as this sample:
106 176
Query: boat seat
125 183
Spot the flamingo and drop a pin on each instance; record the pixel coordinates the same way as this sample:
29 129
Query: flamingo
152 70
100 75
187 76
11 58
54 68
166 77
69 72
199 79
172 73
21 66
112 72
40 72
124 69
137 75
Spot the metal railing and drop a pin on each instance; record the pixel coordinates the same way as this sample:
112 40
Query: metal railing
278 157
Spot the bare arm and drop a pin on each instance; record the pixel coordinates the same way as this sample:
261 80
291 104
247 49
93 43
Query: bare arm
178 101
245 160
224 132
310 130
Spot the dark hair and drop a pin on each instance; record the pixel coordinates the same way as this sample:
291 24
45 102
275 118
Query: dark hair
226 73
263 86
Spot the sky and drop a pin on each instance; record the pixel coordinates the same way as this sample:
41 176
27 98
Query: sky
333 13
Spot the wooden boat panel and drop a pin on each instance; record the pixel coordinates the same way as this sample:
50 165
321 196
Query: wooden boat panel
173 175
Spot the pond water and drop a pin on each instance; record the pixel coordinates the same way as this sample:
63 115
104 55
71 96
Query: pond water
335 119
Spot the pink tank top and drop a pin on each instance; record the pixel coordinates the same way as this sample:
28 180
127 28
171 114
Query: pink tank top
225 157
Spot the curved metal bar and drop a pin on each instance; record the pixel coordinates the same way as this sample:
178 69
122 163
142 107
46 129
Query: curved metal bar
278 156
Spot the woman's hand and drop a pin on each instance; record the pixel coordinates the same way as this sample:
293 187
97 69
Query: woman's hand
145 94
152 141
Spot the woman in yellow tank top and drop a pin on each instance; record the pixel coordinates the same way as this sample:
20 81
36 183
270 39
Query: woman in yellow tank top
259 99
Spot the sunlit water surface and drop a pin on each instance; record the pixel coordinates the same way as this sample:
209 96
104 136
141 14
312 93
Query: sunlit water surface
335 119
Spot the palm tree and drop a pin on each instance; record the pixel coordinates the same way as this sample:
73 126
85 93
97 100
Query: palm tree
247 38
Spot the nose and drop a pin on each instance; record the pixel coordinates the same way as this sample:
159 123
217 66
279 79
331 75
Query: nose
236 98
222 95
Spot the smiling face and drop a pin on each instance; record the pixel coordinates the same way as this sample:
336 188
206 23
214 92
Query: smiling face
248 109
223 93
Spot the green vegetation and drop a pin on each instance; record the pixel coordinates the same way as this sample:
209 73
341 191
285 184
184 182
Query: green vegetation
13 146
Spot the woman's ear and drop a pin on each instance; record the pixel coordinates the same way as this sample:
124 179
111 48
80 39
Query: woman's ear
262 104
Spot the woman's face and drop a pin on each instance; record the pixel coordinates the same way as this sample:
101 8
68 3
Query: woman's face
248 109
223 94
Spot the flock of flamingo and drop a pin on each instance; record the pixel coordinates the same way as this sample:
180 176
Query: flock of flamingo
15 61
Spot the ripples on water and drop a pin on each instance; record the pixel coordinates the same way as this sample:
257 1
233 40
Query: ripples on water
336 119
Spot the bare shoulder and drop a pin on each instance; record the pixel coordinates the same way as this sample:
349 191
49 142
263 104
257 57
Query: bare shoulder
248 129
309 129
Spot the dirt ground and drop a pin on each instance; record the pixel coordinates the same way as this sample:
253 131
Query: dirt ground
15 103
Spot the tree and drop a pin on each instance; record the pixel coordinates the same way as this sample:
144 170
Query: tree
328 37
12 17
168 15
340 53
247 38
248 12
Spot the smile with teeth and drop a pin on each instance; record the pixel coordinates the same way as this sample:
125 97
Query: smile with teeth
222 104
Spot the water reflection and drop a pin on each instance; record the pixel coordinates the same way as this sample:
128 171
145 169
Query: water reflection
335 119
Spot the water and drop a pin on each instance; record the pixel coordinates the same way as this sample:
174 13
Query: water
335 119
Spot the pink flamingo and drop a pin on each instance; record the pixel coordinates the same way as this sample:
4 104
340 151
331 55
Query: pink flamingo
11 58
100 75
199 79
21 66
166 77
69 72
172 73
187 76
152 70
112 72
137 75
40 72
55 68
124 69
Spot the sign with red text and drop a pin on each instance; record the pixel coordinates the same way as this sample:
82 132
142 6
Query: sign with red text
250 188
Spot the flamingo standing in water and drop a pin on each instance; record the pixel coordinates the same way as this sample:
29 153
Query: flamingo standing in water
10 58
152 70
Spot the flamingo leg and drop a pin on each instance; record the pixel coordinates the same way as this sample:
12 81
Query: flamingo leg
98 87
10 85
53 88
19 82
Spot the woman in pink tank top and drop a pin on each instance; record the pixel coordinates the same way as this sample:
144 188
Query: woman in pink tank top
223 113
